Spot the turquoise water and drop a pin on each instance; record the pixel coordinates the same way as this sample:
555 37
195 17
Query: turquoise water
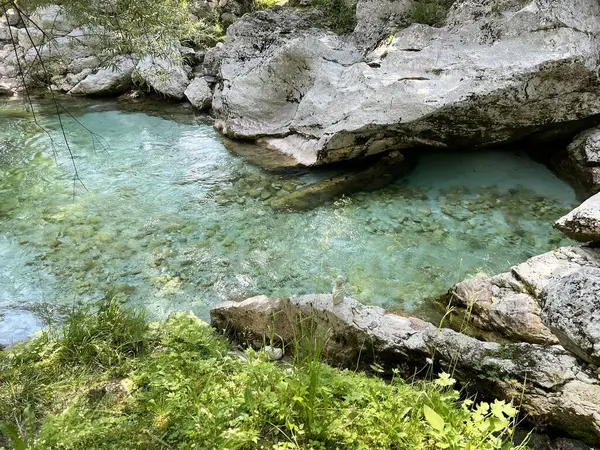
164 213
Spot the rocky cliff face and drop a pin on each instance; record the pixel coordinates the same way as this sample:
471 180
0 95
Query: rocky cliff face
496 72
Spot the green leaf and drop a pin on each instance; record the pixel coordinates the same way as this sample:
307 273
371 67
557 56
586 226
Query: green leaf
9 430
434 419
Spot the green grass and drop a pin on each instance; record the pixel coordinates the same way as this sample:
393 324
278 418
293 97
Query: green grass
265 4
340 14
107 379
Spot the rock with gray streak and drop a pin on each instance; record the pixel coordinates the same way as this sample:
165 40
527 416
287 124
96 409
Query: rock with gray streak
549 383
489 76
199 94
163 75
571 309
583 223
509 305
112 80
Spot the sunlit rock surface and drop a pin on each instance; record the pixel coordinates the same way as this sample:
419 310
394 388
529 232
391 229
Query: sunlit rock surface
512 304
583 223
494 73
547 382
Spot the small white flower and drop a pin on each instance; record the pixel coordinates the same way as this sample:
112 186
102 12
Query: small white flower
429 360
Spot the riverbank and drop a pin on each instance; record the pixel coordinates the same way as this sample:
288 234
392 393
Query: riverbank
108 379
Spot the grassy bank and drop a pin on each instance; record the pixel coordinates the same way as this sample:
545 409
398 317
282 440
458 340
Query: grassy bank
107 379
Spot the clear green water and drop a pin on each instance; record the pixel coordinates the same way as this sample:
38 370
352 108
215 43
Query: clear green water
176 221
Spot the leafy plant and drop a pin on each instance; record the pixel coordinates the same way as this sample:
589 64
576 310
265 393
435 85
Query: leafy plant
341 14
430 12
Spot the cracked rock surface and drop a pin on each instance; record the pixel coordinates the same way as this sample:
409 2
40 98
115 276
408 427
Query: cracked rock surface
550 383
496 72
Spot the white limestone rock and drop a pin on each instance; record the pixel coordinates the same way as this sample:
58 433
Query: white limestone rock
583 223
199 94
489 76
163 75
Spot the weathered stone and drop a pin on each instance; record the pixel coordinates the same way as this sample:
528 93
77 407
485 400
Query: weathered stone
489 76
583 223
509 304
29 37
164 76
199 94
549 383
13 17
68 82
571 309
500 304
53 20
8 33
107 81
379 19
582 165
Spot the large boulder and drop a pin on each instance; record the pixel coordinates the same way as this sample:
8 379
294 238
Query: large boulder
509 305
111 80
199 94
583 223
163 75
571 309
491 75
499 305
582 163
550 384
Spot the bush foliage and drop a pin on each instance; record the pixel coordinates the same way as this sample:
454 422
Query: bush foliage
106 379
430 12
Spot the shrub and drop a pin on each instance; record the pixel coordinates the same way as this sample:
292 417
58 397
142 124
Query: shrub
430 12
340 14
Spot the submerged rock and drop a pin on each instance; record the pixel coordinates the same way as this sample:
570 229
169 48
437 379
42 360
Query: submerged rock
491 75
375 177
17 325
583 223
550 384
